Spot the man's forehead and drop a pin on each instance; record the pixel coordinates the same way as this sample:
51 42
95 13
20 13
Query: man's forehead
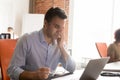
57 18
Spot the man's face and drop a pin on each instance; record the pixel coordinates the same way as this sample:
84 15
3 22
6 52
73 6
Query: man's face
55 27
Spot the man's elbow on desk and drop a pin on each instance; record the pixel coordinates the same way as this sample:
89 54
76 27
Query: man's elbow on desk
72 68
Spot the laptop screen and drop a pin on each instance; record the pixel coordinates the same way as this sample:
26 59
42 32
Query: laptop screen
94 68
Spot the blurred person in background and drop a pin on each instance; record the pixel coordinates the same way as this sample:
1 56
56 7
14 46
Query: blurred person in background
113 50
12 33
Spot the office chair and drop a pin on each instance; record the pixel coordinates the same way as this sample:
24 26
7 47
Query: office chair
101 48
6 51
5 36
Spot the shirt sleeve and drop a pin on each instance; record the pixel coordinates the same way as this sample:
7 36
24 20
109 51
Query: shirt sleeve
69 64
16 66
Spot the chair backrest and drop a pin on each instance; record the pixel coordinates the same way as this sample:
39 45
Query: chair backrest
6 50
102 48
5 36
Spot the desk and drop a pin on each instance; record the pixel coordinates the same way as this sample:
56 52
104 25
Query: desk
115 66
76 75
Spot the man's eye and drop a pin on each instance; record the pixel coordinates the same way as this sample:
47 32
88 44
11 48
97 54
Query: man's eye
57 26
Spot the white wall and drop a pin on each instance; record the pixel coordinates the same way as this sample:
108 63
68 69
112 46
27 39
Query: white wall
11 13
20 8
5 14
92 22
70 28
32 22
116 17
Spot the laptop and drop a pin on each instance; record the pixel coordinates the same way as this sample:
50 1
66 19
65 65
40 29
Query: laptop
94 68
91 72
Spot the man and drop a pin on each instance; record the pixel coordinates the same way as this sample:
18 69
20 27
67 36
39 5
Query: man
38 54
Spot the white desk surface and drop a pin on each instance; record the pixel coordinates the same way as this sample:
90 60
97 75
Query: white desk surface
76 75
114 66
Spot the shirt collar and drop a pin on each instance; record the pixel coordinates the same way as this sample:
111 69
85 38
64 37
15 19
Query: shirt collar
42 38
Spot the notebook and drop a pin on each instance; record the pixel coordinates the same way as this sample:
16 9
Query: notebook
94 68
114 67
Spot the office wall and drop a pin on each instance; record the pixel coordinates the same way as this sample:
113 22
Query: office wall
116 17
5 14
11 13
32 22
92 22
20 8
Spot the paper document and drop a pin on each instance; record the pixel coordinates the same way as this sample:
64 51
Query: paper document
114 66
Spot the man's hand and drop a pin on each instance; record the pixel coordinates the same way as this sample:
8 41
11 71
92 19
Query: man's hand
60 39
42 73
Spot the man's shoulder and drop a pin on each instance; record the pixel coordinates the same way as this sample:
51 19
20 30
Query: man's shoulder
28 36
31 34
112 45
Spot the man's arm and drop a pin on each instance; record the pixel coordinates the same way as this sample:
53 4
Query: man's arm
66 60
27 75
15 70
40 74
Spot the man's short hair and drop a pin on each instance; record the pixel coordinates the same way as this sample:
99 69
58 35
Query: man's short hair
117 35
53 12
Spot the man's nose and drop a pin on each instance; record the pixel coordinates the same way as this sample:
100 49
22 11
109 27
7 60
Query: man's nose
61 29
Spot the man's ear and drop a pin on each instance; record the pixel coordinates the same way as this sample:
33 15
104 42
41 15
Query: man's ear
45 24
